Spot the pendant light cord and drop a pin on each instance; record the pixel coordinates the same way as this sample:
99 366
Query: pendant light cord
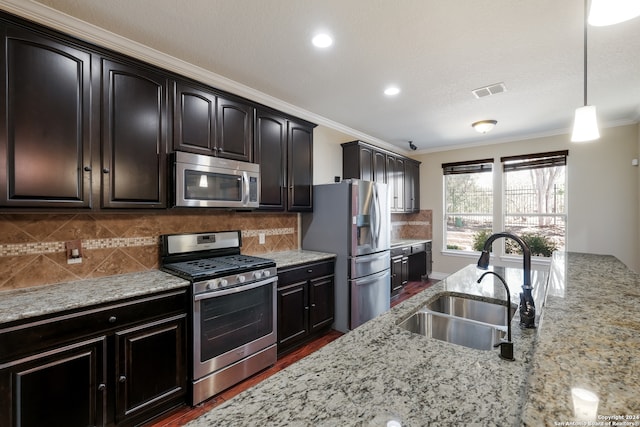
585 52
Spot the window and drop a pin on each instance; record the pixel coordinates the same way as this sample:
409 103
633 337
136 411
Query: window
468 193
534 201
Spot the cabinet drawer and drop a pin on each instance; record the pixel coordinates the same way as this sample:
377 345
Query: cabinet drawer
28 338
305 272
420 247
401 251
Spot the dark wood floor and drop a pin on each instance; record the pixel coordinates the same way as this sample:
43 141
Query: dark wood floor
181 416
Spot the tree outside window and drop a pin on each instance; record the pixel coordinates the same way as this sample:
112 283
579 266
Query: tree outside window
468 202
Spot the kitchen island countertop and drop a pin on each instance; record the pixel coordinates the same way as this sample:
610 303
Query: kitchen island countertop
379 372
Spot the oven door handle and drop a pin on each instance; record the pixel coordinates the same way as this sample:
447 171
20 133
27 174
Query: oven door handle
218 293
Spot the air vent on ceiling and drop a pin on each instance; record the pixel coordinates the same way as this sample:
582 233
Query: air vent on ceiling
493 89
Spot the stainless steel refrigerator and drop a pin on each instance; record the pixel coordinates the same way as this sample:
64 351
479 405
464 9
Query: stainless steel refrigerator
352 219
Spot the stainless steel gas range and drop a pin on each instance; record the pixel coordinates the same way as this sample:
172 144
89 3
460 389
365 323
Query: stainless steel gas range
233 308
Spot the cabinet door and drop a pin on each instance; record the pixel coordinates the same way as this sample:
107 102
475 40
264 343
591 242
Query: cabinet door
293 313
366 163
300 168
234 136
379 167
44 122
271 154
321 302
134 139
64 387
194 119
412 186
396 275
404 272
150 368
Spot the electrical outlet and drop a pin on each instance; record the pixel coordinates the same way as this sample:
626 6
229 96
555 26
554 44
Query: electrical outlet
261 238
74 252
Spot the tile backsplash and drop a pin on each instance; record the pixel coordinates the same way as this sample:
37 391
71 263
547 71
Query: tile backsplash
33 251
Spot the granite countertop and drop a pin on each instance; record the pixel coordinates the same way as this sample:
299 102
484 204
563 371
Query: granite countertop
290 258
19 304
407 242
380 372
587 336
25 303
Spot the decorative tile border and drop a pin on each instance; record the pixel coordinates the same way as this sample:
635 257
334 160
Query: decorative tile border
18 249
268 232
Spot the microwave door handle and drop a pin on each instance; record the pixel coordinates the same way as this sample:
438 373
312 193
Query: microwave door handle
245 188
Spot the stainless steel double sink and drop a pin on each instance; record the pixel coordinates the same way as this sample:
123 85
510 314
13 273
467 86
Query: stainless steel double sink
462 320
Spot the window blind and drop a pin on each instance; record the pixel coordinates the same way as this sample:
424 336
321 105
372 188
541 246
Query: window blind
471 166
534 161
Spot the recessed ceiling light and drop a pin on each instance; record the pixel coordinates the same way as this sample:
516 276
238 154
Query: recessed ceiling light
322 40
392 90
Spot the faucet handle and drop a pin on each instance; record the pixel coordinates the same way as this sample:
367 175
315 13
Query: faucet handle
506 350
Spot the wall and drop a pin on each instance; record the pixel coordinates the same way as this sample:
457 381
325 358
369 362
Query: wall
604 192
32 246
327 154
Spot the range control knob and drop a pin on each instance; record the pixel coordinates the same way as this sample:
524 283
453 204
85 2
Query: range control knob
223 282
257 274
213 284
241 278
266 273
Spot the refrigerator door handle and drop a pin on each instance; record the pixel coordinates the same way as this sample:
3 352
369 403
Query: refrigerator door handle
376 217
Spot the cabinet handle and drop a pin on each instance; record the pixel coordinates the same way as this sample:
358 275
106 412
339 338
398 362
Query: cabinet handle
112 319
310 270
105 170
87 168
122 378
313 305
306 308
101 387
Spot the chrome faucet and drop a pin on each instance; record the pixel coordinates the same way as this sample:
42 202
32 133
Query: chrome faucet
527 307
506 348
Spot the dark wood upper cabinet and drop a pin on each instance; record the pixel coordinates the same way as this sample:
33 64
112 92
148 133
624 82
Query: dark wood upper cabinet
300 167
194 123
271 153
401 174
210 124
234 136
134 139
44 124
284 149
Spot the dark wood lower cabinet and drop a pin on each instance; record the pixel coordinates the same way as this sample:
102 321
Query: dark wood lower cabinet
63 387
120 364
150 368
305 303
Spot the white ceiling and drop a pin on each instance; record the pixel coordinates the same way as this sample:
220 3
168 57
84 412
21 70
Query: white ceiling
436 51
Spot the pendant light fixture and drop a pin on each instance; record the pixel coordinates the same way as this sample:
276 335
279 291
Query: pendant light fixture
585 123
610 12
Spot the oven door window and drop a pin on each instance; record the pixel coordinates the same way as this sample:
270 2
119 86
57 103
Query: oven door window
199 185
233 320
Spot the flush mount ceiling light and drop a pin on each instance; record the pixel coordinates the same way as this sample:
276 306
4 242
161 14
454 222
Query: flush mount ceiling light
322 40
392 90
585 123
484 126
609 12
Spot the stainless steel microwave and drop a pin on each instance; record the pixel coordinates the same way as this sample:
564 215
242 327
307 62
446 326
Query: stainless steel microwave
213 182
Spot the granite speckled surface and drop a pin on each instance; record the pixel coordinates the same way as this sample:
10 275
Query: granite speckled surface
380 372
42 300
407 242
289 258
25 303
588 336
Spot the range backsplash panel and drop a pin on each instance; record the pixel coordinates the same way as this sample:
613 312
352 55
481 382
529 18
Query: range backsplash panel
33 253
